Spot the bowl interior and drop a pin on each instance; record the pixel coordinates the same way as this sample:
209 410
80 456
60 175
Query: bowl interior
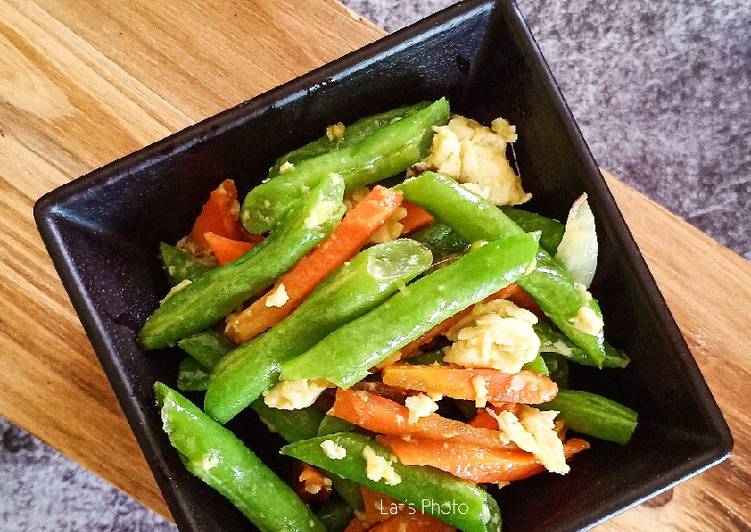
102 232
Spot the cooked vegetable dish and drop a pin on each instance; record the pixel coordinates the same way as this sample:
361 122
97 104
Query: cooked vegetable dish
381 303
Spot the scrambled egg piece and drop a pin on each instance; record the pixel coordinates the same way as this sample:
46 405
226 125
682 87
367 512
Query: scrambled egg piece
587 321
377 468
335 131
278 297
481 391
294 394
420 405
333 450
472 153
497 335
391 229
286 166
320 213
534 431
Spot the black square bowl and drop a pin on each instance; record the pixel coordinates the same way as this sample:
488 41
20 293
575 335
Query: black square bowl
102 232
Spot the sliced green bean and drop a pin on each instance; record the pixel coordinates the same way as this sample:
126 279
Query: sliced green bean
181 265
443 241
353 134
359 286
459 503
594 415
553 341
292 425
386 152
332 424
220 291
192 376
476 219
335 515
425 359
552 230
345 356
207 347
538 366
558 369
216 456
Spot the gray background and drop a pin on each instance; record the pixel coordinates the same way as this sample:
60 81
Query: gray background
662 93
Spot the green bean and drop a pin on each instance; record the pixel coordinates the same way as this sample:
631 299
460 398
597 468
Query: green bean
386 152
425 359
216 456
345 356
292 425
332 424
594 415
558 369
459 503
335 515
537 365
553 341
302 424
359 286
353 134
192 376
443 241
207 347
181 265
221 290
552 230
476 219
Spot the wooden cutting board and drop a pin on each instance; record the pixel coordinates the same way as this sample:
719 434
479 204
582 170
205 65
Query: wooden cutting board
85 82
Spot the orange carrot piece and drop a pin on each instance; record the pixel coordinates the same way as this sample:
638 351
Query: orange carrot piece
342 244
484 420
525 387
376 507
416 217
417 522
471 462
383 416
312 485
356 526
225 249
443 327
220 215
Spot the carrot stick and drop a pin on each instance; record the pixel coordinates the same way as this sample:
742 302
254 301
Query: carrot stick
356 526
225 249
417 522
342 244
525 387
416 217
220 215
311 485
443 327
472 462
376 507
383 416
484 420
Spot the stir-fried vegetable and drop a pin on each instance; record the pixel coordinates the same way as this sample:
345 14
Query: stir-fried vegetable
385 152
356 288
577 250
215 455
341 245
415 486
573 310
345 356
218 292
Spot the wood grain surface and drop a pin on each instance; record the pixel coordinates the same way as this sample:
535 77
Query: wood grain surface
83 82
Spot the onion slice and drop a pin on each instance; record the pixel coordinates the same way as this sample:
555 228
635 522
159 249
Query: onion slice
578 248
